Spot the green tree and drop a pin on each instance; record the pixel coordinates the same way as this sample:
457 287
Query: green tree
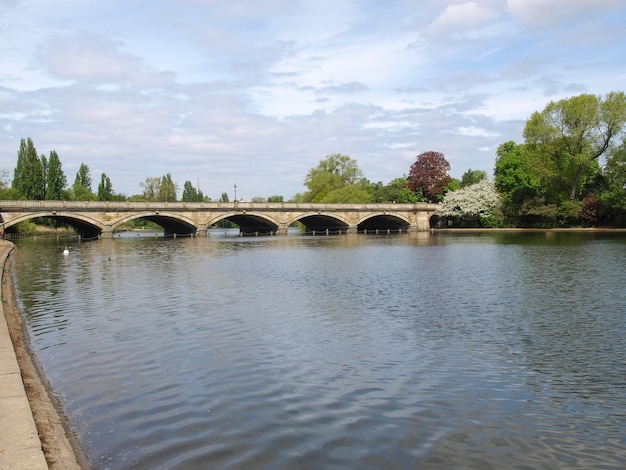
453 185
81 188
28 176
105 188
613 198
167 190
397 191
224 197
275 198
56 182
334 172
615 167
568 136
320 184
515 180
44 172
191 194
159 189
352 194
471 177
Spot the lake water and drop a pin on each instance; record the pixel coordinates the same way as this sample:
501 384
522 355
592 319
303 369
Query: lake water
405 351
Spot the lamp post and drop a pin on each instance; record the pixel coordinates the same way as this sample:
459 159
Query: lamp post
235 185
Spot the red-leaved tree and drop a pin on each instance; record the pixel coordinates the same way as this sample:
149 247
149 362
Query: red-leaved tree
430 174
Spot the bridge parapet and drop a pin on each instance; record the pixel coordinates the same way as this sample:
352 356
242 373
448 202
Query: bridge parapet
420 206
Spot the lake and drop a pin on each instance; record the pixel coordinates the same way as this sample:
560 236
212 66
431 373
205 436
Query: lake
422 350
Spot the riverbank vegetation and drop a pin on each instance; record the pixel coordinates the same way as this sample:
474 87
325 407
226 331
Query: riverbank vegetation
569 171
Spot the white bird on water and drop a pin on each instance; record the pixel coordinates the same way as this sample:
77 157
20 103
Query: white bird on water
66 251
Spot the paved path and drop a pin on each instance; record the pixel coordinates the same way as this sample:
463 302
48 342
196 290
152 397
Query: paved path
20 446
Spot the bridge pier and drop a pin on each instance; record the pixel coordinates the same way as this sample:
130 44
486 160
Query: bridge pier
107 232
281 230
423 220
202 231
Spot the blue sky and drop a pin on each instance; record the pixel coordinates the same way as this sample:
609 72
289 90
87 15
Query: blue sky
258 92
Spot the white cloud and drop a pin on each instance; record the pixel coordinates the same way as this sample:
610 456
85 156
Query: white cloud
548 12
461 17
472 131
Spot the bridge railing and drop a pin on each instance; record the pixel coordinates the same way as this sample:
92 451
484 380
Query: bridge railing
126 205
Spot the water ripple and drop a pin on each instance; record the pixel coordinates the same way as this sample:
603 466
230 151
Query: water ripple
335 352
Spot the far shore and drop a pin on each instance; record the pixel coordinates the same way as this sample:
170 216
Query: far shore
569 229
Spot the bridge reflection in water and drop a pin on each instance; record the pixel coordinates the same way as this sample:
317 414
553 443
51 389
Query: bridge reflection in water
94 219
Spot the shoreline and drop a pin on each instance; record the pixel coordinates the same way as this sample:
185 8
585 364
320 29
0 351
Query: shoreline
514 230
59 443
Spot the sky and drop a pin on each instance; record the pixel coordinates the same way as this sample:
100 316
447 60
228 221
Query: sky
256 93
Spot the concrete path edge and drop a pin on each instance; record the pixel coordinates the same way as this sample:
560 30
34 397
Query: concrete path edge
20 446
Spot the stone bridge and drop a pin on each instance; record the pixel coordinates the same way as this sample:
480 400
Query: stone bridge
93 219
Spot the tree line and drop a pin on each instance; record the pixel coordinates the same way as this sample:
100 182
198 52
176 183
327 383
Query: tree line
37 177
571 167
569 171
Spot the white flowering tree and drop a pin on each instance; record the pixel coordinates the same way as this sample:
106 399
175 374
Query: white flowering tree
473 205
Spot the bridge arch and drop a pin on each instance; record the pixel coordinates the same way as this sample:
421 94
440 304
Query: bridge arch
249 222
321 222
172 223
384 221
437 221
85 226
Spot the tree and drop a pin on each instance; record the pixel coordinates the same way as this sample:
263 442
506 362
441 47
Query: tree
151 188
615 167
191 194
352 194
105 188
44 173
6 191
569 135
83 177
430 174
334 172
28 176
515 180
56 181
613 198
396 190
275 198
224 197
168 189
473 205
81 188
512 170
471 177
159 189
